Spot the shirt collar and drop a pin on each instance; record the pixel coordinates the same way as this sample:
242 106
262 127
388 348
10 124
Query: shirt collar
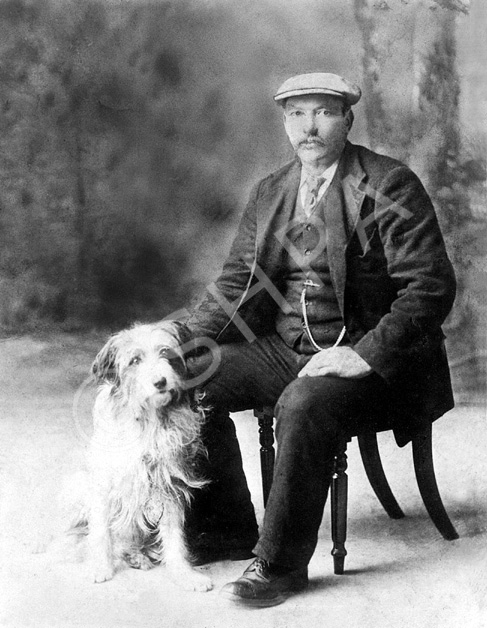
328 174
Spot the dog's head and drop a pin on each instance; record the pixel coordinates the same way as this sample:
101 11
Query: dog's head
146 362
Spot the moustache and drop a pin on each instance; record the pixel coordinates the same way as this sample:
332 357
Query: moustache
309 141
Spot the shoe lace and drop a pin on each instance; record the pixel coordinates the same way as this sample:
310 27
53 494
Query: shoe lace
260 566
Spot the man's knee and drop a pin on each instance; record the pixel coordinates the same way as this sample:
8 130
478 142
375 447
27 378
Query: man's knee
295 399
302 407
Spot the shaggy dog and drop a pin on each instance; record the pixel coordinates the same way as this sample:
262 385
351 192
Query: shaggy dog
143 454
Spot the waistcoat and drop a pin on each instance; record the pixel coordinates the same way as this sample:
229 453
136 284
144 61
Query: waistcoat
306 260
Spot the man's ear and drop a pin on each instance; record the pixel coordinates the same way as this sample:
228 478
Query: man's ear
104 368
349 117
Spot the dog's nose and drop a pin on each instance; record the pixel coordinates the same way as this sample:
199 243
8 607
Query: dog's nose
161 384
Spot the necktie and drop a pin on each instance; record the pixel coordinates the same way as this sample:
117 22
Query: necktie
313 185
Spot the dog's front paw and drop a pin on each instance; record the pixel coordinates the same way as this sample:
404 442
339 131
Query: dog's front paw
191 580
103 573
199 582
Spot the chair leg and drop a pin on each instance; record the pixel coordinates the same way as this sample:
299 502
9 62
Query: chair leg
339 498
425 475
265 417
369 451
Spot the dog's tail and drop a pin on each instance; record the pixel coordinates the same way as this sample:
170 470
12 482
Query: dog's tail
68 540
79 525
69 546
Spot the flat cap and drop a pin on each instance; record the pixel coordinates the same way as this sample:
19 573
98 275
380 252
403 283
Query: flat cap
319 83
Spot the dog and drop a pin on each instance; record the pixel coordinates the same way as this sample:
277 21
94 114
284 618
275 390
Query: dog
144 453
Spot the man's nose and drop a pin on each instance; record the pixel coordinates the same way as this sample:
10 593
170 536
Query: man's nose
310 124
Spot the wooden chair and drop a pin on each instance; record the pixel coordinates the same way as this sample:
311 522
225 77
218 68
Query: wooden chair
369 450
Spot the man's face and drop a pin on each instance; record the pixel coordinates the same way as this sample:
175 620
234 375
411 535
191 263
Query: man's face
316 127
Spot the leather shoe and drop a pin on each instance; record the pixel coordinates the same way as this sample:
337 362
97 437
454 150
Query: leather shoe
263 584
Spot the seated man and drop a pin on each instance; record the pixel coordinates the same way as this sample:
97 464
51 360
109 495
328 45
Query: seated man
329 307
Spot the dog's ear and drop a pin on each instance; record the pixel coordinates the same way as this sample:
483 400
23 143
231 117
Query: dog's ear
104 368
185 335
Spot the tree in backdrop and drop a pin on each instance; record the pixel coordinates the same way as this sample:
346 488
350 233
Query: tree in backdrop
128 142
422 128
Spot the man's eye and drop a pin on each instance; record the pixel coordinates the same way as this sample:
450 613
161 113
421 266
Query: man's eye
135 360
324 112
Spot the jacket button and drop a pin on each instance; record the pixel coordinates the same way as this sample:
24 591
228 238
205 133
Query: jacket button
307 251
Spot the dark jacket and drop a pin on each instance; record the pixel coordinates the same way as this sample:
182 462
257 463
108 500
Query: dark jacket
390 270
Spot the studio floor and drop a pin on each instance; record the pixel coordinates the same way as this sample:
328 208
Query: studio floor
398 573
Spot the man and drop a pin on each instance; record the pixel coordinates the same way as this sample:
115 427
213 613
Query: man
329 307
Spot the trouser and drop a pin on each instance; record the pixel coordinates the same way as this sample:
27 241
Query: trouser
311 415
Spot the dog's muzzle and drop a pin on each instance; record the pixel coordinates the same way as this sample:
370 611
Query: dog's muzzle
164 395
161 384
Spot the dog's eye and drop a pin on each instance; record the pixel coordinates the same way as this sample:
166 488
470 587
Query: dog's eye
167 353
135 360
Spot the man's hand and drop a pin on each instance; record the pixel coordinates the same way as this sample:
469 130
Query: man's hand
337 361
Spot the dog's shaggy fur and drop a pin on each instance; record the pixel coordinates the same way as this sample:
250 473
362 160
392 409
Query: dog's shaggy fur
143 454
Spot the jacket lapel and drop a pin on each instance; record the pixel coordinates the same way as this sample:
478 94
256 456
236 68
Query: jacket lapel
275 209
341 212
352 176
